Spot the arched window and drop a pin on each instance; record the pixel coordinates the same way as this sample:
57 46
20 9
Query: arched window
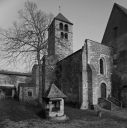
62 35
66 27
102 66
66 36
61 26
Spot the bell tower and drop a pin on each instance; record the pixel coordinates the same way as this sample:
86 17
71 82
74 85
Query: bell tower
60 37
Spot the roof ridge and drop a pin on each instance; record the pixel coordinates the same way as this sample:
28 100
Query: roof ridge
120 7
14 72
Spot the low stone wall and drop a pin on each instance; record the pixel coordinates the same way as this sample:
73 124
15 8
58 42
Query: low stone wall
2 95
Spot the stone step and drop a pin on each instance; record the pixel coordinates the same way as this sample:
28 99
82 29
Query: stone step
107 104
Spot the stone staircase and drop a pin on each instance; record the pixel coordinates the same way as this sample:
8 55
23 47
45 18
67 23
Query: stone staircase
110 103
115 101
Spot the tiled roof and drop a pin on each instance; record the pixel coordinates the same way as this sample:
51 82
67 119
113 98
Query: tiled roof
26 85
124 10
62 18
54 92
5 87
14 73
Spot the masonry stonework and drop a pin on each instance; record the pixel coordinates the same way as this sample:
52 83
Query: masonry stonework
59 44
69 77
48 72
27 93
115 36
63 47
96 51
84 86
79 77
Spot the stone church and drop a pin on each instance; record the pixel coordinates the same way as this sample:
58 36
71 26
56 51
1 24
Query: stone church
97 70
83 76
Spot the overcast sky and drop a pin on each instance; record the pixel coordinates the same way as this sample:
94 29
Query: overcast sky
88 16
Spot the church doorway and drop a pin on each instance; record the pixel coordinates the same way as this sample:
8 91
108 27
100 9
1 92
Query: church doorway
103 90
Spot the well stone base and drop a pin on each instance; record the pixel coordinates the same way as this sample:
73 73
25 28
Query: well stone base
59 118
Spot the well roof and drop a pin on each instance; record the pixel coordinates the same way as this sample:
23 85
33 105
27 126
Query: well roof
54 92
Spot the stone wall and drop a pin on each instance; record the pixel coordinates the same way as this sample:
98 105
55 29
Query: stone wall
27 94
78 75
97 51
119 79
69 77
117 39
58 46
63 47
84 87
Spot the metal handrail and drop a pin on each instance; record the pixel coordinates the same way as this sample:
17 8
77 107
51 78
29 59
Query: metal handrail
106 101
115 100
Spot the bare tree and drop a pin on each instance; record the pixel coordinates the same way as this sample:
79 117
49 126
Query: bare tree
27 39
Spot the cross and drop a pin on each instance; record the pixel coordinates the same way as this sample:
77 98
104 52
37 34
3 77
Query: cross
59 1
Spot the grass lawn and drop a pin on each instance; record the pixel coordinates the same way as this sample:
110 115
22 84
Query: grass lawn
16 115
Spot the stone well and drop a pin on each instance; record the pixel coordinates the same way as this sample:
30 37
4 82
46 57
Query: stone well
54 103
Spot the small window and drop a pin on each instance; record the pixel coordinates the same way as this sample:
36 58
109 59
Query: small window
66 27
101 66
66 36
61 26
62 35
29 93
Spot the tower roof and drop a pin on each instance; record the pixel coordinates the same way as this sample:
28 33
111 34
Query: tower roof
54 92
62 18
